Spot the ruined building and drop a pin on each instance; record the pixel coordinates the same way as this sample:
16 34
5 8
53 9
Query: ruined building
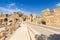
50 17
10 22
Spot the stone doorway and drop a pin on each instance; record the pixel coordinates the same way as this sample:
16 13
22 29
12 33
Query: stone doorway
43 22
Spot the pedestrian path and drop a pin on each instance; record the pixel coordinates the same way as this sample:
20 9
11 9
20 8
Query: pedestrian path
21 34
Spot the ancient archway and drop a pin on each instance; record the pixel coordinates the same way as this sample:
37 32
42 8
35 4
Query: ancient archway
5 20
43 22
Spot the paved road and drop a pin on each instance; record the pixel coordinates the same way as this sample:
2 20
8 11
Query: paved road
44 30
22 32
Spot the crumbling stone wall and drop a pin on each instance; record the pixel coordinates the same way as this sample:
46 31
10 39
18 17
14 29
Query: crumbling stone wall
11 22
51 17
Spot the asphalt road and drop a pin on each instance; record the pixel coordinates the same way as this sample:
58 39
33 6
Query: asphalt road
44 30
22 32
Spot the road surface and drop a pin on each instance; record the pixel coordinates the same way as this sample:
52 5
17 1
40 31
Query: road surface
21 33
43 29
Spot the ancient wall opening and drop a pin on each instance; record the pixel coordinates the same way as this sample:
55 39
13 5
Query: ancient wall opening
43 22
6 15
5 20
20 15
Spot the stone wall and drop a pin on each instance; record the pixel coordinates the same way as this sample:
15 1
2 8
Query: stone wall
11 22
50 17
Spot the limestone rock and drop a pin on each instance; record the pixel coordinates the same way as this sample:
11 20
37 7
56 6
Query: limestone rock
50 17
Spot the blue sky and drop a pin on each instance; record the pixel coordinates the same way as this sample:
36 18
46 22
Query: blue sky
27 6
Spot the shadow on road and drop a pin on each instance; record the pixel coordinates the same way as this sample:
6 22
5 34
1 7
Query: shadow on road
51 37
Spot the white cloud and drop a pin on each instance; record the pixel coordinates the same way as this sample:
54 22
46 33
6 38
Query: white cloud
11 5
58 4
7 10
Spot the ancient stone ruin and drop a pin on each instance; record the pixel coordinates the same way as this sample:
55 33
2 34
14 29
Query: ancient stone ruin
10 22
50 17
